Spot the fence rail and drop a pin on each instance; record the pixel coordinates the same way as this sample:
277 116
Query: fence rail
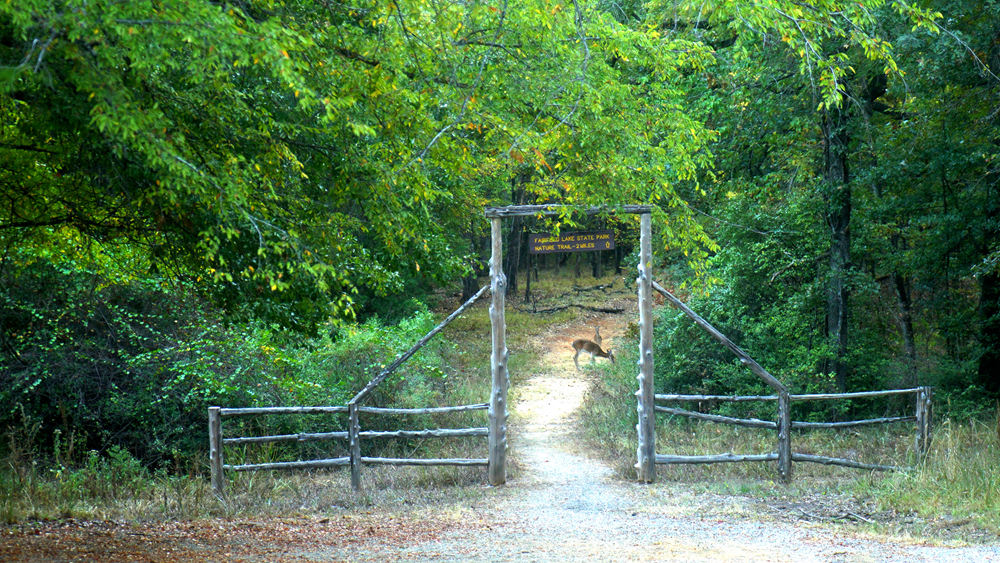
922 417
309 464
280 410
719 458
354 435
784 424
217 441
430 410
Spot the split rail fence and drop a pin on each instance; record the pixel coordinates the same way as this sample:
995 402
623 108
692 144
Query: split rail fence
353 435
921 417
496 431
784 424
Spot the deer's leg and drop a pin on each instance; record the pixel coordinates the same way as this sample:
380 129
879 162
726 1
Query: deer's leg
575 362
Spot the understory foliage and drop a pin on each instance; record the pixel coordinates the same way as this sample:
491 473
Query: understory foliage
93 366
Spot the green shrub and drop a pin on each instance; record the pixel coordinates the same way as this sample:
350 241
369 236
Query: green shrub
92 366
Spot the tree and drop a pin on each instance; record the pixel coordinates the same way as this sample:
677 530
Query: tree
323 149
915 148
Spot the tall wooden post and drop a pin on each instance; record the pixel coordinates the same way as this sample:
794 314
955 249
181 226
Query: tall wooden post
498 363
354 444
215 450
645 428
923 414
784 436
928 417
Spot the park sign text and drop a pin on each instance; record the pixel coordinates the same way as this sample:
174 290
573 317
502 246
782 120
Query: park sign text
571 242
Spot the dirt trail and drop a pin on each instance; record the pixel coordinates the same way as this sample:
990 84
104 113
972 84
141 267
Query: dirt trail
544 422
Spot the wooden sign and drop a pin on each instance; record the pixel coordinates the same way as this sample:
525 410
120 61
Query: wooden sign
571 242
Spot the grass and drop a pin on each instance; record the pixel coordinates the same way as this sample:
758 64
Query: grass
99 493
958 485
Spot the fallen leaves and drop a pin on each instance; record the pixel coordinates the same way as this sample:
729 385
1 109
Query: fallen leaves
302 539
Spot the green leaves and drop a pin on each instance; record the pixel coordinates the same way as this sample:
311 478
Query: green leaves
322 150
818 34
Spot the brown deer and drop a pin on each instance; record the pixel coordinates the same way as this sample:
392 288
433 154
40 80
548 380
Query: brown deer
594 349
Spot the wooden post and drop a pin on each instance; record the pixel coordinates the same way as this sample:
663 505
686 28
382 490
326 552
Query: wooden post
928 417
498 363
645 428
923 415
354 444
784 436
215 450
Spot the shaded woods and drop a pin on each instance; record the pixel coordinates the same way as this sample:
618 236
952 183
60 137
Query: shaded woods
205 203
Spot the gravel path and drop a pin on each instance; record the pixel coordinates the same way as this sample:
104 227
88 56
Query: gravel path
562 505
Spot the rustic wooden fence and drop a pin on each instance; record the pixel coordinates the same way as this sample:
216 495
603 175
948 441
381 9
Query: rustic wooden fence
354 434
921 416
783 423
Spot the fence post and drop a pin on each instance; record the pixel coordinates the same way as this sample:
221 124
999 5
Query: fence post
923 414
784 436
215 450
497 471
928 417
645 427
354 444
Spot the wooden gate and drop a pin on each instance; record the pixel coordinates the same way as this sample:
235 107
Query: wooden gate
498 399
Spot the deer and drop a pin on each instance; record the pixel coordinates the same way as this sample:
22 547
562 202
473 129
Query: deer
593 348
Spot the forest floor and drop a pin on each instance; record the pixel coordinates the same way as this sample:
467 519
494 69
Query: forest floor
560 503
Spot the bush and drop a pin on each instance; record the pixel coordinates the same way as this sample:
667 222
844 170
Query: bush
132 365
91 366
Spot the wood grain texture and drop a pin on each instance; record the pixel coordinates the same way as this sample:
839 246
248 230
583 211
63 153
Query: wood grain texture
500 379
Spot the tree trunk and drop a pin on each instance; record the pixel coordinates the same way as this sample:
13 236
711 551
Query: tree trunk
876 88
989 283
902 287
470 283
989 333
838 216
512 259
527 281
469 288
